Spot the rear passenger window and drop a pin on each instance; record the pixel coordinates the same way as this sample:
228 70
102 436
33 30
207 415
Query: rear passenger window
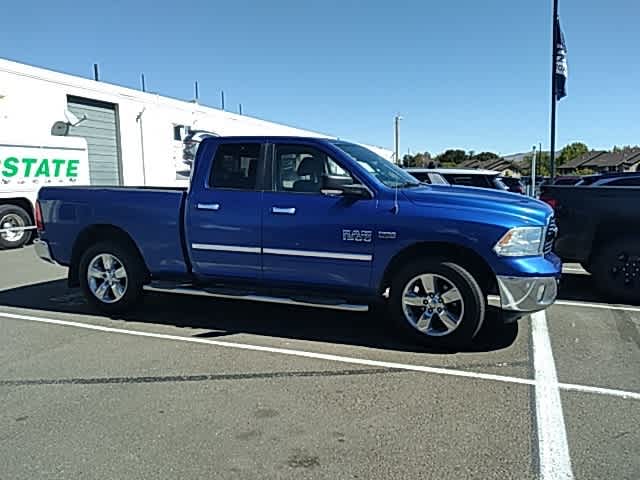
625 182
468 180
235 166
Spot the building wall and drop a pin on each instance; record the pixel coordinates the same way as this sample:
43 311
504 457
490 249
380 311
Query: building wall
32 99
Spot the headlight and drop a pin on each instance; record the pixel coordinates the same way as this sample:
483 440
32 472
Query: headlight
520 242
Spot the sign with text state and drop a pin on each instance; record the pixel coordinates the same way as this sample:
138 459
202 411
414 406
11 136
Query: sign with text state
22 166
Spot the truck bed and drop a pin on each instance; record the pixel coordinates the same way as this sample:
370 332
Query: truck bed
584 212
69 212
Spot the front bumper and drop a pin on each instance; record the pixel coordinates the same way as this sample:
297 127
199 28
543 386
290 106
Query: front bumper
526 294
42 250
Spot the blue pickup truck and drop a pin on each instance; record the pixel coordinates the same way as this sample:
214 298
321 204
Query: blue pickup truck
312 222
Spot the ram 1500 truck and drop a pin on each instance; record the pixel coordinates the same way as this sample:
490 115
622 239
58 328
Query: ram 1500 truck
312 222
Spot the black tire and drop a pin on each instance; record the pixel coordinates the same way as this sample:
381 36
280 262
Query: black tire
616 269
14 216
135 276
471 315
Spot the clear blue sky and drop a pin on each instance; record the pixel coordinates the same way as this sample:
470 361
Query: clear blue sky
472 74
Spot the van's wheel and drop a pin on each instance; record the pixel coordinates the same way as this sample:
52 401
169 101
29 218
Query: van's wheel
111 276
616 269
12 216
438 303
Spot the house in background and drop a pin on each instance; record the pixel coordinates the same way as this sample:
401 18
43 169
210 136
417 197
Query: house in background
570 167
507 168
623 161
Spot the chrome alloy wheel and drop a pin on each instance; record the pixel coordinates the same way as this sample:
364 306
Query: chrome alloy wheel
12 220
107 278
432 304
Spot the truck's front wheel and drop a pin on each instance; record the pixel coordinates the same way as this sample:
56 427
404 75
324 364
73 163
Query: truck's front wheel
438 303
111 277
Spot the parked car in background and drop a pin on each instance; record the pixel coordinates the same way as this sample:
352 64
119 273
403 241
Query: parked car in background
427 176
567 180
348 228
631 179
513 184
467 177
598 227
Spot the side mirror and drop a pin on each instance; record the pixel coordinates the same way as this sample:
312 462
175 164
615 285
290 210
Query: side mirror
356 191
60 129
343 186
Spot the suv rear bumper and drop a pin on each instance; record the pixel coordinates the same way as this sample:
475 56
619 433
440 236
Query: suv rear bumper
525 294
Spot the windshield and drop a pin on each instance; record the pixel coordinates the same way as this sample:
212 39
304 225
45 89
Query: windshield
385 171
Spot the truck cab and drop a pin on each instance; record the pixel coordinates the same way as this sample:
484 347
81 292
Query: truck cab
310 221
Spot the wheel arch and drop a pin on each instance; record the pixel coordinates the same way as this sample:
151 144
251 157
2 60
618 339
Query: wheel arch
95 234
465 257
21 202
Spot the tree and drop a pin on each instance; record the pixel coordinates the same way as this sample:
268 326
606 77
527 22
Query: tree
626 148
417 160
485 156
571 151
543 165
581 172
455 157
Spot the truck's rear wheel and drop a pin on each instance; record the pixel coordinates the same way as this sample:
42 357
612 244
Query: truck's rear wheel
111 277
616 269
438 303
14 217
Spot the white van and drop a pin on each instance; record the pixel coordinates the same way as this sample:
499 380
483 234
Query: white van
26 164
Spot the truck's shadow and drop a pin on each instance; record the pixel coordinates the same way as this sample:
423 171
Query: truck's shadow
224 318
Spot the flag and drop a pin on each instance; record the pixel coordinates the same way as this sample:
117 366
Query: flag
560 54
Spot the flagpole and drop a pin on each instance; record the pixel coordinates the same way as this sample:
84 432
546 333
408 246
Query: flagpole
552 153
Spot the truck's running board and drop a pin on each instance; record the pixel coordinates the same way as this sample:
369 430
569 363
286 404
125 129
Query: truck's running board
261 298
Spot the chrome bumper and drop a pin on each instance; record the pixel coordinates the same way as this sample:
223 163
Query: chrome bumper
42 250
525 294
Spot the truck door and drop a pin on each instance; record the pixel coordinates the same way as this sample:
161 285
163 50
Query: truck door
223 211
309 238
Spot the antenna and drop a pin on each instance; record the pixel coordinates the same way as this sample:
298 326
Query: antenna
396 206
144 85
222 98
197 92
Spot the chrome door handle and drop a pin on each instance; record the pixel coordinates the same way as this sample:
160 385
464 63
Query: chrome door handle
208 206
283 211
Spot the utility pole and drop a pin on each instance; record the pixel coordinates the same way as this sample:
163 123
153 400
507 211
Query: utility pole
396 121
532 190
554 46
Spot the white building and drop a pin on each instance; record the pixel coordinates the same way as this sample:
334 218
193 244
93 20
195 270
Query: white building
132 137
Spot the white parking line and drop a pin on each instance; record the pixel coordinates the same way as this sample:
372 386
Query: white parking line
553 448
604 306
324 356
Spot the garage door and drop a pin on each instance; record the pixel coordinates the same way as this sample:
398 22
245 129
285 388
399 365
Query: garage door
101 132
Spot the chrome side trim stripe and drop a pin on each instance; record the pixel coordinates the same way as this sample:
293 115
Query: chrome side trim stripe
282 251
225 248
310 253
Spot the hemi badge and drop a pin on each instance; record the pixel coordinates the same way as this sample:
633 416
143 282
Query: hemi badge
387 235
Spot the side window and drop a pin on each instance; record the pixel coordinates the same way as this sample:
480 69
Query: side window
422 176
624 182
235 166
468 180
299 168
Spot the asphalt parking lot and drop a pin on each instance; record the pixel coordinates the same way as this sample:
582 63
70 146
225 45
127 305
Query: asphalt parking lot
196 388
